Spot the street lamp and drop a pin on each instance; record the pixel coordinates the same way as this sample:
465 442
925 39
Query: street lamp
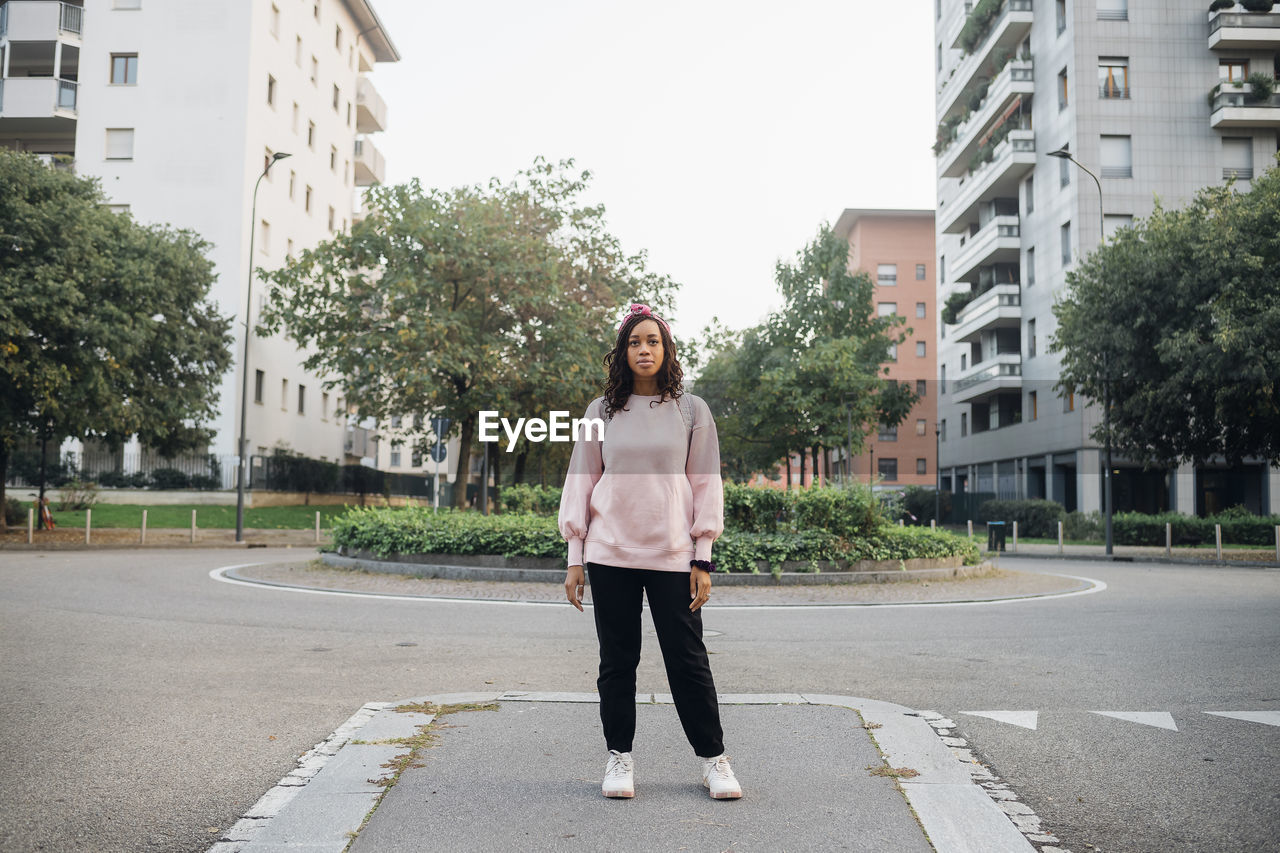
937 474
1063 154
244 364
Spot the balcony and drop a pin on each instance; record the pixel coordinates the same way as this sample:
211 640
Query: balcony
1010 26
1000 241
371 110
1001 373
41 20
43 104
1012 159
1237 107
1244 30
360 442
998 308
370 167
1004 99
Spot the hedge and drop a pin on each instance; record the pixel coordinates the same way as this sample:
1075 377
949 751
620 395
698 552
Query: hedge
418 530
1034 517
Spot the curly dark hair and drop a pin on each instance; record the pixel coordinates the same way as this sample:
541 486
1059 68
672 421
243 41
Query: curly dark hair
619 384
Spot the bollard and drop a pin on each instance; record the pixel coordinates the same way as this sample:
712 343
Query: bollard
1059 537
142 540
31 526
1278 543
193 525
88 522
317 527
1015 536
1168 539
933 524
1217 537
971 528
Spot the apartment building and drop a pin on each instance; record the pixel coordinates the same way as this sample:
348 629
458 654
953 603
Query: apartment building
1150 96
177 108
895 248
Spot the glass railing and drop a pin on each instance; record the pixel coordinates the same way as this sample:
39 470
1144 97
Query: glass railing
994 371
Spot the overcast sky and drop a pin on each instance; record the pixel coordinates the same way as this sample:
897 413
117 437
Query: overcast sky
720 135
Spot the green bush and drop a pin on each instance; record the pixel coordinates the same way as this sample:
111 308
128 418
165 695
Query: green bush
918 501
1034 517
205 483
531 500
756 510
1221 4
1080 527
1262 85
120 480
1257 5
14 512
978 25
170 478
849 512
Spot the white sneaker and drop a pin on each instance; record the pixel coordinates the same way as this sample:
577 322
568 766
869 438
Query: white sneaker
619 775
718 777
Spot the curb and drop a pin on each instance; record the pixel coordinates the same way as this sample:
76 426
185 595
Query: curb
493 573
1134 558
303 812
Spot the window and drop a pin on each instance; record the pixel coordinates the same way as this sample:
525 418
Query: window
919 272
266 164
306 202
346 172
415 456
275 20
887 433
302 399
892 354
1030 275
1116 153
1237 157
118 208
942 269
920 349
921 429
1029 193
311 135
1113 76
120 143
942 379
1032 405
271 90
1066 243
1031 339
293 180
337 97
922 466
964 424
337 38
1069 402
124 69
259 379
315 71
1062 90
1113 222
920 309
1064 171
332 215
922 388
886 309
293 122
315 9
264 241
939 58
886 274
888 468
1233 70
288 248
395 453
297 52
324 406
1062 15
942 433
284 395
964 362
348 114
127 4
1113 10
333 159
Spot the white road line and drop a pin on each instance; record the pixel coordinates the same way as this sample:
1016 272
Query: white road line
1267 718
219 575
1026 719
1159 719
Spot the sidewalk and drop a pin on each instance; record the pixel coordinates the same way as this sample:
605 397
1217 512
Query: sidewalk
523 770
72 538
1257 556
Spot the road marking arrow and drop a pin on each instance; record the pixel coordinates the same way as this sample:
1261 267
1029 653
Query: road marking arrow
1159 719
1269 718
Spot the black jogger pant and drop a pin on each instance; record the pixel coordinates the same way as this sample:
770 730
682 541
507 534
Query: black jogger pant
616 600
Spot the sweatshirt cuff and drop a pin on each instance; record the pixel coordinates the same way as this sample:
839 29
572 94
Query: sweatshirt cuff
575 552
702 548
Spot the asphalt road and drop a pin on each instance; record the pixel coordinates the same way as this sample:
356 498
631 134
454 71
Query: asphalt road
145 706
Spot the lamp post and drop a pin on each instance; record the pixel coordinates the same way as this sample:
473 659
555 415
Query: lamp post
244 364
937 473
1063 154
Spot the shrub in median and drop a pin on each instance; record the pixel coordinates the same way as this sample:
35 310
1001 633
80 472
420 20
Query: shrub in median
1034 517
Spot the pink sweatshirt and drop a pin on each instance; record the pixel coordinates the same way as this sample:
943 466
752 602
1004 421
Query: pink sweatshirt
649 496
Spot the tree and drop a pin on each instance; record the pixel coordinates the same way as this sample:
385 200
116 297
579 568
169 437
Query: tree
793 383
105 326
448 302
1178 318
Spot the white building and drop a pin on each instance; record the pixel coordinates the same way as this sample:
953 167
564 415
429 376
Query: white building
1148 95
176 107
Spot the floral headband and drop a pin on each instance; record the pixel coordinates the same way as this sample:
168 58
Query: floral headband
640 309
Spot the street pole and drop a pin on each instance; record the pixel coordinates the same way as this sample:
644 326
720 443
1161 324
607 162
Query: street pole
244 363
1064 154
849 457
937 473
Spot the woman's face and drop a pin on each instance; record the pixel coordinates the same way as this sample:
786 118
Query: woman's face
644 350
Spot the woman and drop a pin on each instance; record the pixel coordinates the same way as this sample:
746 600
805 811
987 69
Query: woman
640 509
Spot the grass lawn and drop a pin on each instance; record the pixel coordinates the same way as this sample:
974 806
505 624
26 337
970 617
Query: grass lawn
209 517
